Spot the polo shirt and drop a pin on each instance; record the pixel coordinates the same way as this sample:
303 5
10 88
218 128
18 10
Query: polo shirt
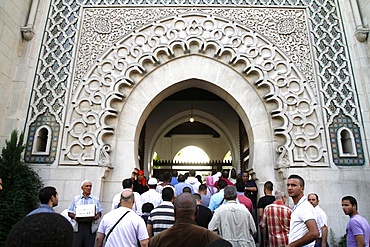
162 217
302 212
322 219
357 225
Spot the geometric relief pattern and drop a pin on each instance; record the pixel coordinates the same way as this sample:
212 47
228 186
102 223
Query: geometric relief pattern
333 82
257 58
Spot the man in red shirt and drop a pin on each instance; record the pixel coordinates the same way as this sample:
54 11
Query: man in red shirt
276 218
225 176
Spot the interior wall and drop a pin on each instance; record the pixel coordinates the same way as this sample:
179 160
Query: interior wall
218 115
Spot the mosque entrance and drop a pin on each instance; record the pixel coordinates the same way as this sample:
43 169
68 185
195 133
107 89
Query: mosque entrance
193 129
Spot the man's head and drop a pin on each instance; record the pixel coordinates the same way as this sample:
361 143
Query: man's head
49 195
245 176
349 205
181 178
221 184
147 207
168 194
198 198
313 199
268 187
295 186
186 189
86 187
127 183
233 173
225 174
152 183
192 173
280 196
127 198
174 173
185 206
203 189
167 176
230 193
41 230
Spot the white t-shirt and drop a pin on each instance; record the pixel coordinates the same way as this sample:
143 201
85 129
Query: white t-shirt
151 196
127 232
137 204
322 219
302 212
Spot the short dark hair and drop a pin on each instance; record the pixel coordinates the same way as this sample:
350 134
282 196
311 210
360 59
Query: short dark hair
225 174
181 178
197 197
127 183
41 230
269 186
147 207
295 176
167 176
192 173
351 200
202 187
167 194
221 184
46 193
186 189
314 194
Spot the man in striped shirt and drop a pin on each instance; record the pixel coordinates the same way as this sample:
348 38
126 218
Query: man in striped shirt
163 216
276 217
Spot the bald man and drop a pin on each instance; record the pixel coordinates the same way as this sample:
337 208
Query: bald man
185 232
122 226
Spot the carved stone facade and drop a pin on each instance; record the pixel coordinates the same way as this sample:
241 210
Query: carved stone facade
283 66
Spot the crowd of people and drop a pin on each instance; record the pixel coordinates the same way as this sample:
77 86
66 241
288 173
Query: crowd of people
181 210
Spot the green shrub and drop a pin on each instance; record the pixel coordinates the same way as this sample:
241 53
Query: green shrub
21 185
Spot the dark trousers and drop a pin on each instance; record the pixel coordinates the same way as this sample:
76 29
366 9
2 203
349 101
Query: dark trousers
84 237
318 243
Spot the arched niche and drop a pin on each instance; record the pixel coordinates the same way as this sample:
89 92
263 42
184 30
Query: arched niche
42 141
346 143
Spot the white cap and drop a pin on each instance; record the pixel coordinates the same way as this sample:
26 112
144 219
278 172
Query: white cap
152 181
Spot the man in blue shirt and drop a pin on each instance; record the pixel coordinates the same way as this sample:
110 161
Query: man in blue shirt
49 198
218 198
85 228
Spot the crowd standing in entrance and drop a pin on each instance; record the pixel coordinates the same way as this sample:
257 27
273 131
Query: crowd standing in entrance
141 216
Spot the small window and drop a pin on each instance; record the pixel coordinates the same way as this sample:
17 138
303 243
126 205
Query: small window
41 143
346 143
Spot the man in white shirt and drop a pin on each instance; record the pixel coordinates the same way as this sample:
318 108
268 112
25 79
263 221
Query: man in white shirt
127 184
303 227
122 226
152 195
193 181
322 221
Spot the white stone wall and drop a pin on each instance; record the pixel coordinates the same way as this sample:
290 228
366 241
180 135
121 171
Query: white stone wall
18 61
